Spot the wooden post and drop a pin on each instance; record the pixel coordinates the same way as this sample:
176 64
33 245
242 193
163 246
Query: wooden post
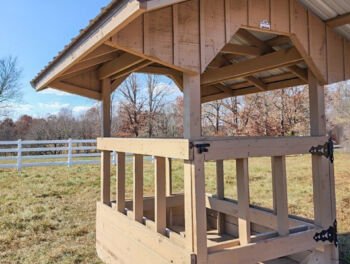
322 169
220 192
160 195
121 182
280 196
138 188
194 180
243 201
106 132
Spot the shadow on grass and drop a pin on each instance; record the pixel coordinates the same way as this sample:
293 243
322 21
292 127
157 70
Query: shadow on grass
344 248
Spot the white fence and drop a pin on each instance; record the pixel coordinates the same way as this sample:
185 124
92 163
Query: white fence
70 147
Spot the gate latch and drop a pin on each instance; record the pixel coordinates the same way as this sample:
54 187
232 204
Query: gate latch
326 150
331 235
201 147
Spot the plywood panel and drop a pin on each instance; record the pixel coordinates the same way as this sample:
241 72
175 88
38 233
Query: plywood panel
280 15
335 54
318 43
186 35
258 11
236 16
212 29
131 36
299 23
158 34
347 59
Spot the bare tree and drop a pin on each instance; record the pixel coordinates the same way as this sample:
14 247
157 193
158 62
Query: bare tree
10 76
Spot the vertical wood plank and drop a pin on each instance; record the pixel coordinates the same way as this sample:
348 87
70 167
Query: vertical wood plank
131 36
279 178
318 43
335 55
213 33
187 34
322 170
160 196
237 16
258 11
280 15
347 58
299 24
138 188
243 201
121 182
168 173
220 192
106 132
195 209
192 106
158 34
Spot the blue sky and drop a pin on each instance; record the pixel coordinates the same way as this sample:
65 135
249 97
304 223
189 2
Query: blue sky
35 31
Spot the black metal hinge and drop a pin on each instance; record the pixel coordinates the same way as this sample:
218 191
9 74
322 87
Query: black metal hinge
331 235
326 150
200 147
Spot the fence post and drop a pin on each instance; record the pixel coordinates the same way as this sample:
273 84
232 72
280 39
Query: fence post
19 154
70 150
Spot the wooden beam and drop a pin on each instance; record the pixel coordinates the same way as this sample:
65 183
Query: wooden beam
192 107
138 187
169 179
280 197
224 88
70 88
106 132
339 21
121 182
160 195
117 82
119 64
267 62
252 40
278 41
100 51
301 73
220 192
131 69
84 65
241 50
257 82
242 173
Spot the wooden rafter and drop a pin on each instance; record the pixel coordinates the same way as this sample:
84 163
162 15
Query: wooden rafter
256 82
131 69
278 59
100 51
277 41
88 64
119 64
115 84
74 89
301 73
339 20
227 90
241 50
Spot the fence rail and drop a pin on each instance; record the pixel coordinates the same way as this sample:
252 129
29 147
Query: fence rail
71 152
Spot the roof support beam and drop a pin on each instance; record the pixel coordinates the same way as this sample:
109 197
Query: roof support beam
224 88
339 20
70 88
257 82
278 59
119 64
133 68
241 50
100 51
301 73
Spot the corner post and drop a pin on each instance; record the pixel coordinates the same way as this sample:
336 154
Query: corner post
19 154
194 180
106 132
322 169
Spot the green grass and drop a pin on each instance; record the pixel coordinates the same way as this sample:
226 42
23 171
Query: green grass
47 215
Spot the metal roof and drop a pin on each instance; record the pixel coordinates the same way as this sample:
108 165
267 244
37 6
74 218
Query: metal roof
327 9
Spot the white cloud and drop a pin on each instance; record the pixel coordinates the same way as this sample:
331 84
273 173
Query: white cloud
20 107
80 109
51 91
55 105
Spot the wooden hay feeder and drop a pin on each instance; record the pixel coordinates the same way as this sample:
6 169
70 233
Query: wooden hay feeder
212 50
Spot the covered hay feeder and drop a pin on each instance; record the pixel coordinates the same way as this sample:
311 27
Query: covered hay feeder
212 49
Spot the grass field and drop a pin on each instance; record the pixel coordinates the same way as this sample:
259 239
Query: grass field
47 215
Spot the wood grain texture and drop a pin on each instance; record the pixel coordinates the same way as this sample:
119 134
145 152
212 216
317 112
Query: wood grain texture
335 56
347 58
258 11
299 24
280 15
236 16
